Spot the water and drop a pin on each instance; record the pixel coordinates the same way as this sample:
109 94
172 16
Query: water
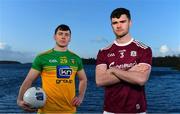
162 90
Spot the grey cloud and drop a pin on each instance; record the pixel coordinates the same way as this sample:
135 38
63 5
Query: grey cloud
6 53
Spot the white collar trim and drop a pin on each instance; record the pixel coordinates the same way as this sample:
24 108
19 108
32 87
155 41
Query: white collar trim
125 44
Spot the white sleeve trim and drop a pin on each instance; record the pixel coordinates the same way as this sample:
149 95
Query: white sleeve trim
146 64
102 64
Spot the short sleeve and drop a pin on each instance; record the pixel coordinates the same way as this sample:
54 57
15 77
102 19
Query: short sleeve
80 64
37 64
146 56
101 58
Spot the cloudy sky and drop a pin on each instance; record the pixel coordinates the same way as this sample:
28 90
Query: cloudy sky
27 26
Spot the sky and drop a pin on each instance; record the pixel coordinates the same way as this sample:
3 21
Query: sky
27 26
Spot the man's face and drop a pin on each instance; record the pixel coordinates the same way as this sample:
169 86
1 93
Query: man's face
62 38
121 25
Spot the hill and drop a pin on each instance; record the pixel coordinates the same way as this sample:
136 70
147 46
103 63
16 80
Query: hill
9 62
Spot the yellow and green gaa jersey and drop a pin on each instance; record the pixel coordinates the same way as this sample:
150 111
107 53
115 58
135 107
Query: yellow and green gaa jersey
58 71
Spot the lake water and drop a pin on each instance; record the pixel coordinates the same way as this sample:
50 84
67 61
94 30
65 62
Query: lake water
162 90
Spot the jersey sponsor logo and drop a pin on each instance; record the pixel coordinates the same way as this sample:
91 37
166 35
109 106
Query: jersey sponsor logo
133 53
122 53
124 66
64 71
53 61
111 64
58 81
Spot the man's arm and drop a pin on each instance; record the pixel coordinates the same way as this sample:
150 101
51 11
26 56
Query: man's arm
104 77
32 76
82 88
138 74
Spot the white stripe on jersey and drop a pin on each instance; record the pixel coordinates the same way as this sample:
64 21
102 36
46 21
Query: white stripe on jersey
140 44
105 112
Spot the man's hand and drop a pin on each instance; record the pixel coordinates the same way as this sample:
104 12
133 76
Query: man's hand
25 106
77 101
110 72
138 74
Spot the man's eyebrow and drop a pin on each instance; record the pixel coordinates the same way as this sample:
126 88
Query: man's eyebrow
114 22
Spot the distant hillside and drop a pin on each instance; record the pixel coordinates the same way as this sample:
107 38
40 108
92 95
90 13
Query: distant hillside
9 62
90 61
168 61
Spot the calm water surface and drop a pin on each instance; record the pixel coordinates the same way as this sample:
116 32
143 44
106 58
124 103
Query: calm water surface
162 90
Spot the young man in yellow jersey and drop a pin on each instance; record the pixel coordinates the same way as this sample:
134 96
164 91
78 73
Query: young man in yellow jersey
57 68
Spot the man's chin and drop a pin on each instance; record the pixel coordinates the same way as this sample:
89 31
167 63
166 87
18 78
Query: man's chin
62 45
120 35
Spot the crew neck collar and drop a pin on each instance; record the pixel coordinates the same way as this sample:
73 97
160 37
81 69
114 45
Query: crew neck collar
59 51
123 44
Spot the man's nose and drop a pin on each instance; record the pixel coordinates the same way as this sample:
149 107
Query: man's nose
63 36
119 25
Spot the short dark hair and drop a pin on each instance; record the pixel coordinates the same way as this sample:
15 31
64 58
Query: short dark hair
62 27
120 11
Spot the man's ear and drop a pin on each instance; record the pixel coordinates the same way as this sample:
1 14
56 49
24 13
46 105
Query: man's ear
54 37
130 23
70 39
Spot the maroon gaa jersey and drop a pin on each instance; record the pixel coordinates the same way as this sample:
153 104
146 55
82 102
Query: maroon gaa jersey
124 97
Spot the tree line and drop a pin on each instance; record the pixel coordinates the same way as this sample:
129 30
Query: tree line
167 61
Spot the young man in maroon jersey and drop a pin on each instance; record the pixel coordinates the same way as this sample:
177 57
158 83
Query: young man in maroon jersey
123 68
